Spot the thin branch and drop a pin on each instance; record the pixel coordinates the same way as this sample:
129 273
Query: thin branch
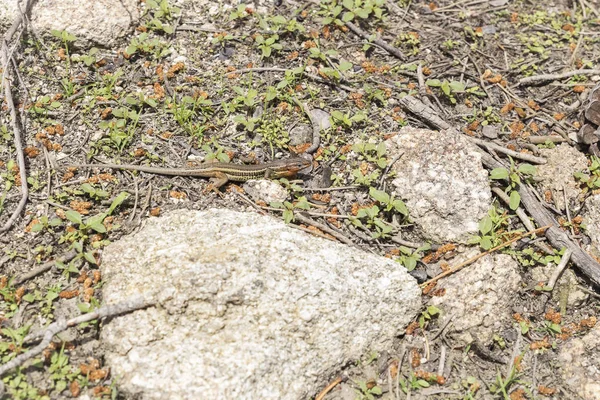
477 257
131 304
390 49
6 67
537 79
564 261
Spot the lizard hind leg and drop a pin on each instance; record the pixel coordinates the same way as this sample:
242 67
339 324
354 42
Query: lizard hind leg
216 182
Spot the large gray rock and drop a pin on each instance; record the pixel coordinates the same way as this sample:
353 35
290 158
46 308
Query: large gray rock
258 310
478 298
442 180
98 22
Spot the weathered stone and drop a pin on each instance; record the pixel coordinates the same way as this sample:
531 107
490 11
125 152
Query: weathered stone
478 298
562 162
442 180
98 22
265 190
581 366
258 311
301 134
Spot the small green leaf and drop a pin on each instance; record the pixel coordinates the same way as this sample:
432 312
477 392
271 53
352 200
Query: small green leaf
515 200
457 87
37 227
499 173
527 169
485 225
345 65
433 310
486 243
74 217
433 83
410 263
89 256
379 195
288 216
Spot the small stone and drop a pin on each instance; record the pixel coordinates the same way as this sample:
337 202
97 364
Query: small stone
301 134
442 181
321 118
479 303
490 132
265 190
557 174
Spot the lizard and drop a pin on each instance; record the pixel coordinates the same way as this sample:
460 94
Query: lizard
220 173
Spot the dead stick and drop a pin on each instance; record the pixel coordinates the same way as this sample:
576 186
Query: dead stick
477 257
328 388
131 304
390 49
533 80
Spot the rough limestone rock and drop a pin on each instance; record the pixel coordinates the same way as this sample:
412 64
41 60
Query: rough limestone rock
97 22
581 365
557 174
591 222
258 310
478 298
442 181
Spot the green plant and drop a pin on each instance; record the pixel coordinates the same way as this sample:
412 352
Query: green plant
591 178
288 208
88 59
43 104
388 202
449 88
346 120
215 155
94 223
529 256
45 223
368 218
449 44
122 128
19 389
491 230
427 315
46 299
10 305
191 114
371 152
551 328
409 258
161 13
221 38
238 13
273 131
61 372
367 391
340 12
280 23
143 44
266 46
502 386
514 180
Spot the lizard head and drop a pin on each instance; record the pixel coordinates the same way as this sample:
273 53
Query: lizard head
293 165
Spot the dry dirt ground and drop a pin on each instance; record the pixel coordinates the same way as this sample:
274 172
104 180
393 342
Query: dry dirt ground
231 86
